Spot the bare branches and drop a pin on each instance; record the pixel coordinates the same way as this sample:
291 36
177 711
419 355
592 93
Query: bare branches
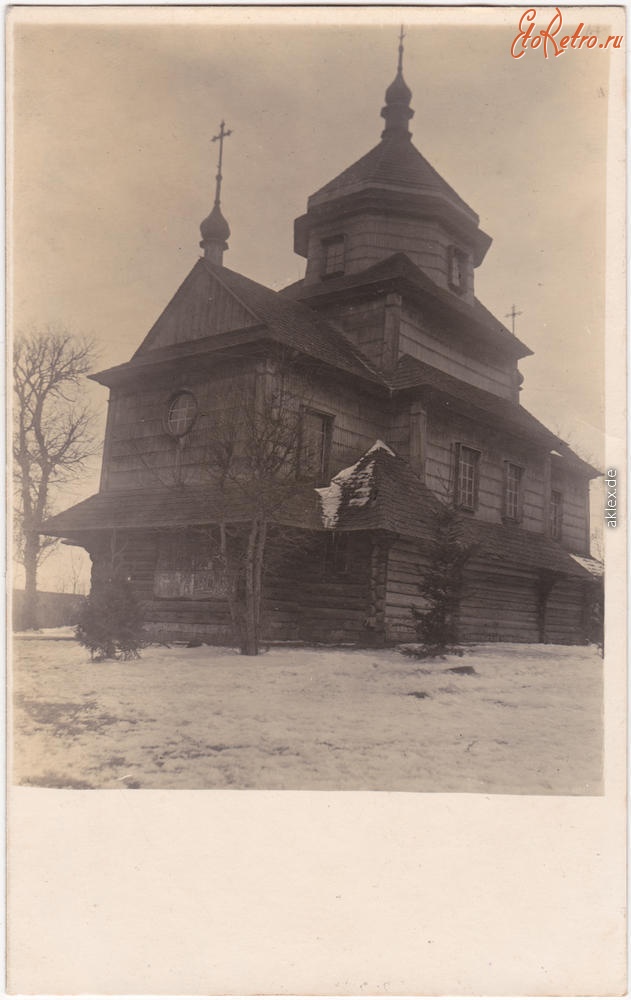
253 453
52 434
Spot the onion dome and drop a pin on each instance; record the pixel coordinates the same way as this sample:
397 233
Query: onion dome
398 92
214 228
397 111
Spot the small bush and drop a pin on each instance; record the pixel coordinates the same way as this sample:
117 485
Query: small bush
441 586
111 623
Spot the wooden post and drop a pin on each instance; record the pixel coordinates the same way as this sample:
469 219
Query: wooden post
378 579
545 582
391 326
418 438
264 386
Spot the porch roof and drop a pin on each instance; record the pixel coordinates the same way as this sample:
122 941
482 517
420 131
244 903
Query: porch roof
380 492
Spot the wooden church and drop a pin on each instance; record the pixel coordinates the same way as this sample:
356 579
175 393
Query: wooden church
405 391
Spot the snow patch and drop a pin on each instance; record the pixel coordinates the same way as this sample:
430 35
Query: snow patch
380 446
353 484
330 499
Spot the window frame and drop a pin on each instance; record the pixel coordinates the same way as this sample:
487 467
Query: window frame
460 502
327 242
508 515
322 476
456 256
173 398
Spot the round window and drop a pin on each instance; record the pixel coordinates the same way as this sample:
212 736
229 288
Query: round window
181 414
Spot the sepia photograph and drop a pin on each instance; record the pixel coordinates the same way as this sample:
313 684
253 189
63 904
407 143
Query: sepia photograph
308 452
315 374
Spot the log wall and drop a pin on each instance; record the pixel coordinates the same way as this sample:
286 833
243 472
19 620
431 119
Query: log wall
566 610
309 599
498 606
407 562
306 596
363 596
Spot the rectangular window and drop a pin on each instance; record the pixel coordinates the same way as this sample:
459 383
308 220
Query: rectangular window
467 477
333 262
457 261
189 566
556 514
512 491
315 445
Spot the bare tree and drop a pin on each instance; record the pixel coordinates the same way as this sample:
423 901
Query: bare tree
52 438
254 462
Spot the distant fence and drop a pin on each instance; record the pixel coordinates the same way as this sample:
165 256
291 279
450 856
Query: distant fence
52 609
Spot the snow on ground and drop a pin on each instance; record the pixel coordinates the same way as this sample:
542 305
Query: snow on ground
529 720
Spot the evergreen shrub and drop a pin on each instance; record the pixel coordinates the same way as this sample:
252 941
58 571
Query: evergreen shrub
111 623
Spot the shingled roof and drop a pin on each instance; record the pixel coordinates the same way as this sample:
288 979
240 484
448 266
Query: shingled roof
508 545
380 492
177 507
473 318
396 163
185 326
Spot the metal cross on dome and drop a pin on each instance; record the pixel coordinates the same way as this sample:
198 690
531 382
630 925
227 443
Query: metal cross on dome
223 134
401 37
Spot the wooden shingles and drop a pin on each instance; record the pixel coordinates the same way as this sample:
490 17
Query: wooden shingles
399 272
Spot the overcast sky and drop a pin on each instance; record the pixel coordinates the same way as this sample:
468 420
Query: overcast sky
113 168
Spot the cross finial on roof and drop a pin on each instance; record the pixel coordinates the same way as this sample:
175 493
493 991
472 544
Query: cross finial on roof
223 134
512 314
214 229
400 63
397 111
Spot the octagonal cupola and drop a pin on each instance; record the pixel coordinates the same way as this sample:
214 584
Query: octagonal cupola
391 201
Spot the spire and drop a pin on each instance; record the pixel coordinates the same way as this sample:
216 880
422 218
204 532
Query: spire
397 111
214 229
